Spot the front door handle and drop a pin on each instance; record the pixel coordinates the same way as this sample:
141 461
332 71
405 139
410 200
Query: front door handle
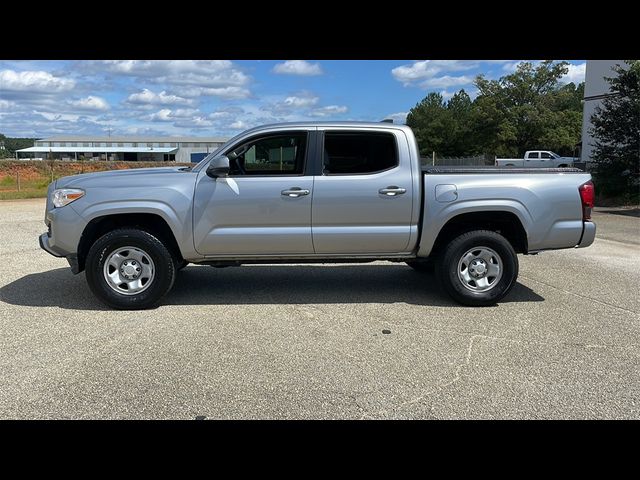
392 191
294 192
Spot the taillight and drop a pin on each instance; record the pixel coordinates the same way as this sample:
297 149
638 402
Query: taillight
588 196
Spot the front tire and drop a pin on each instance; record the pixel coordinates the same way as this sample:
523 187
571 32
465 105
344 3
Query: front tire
478 268
130 269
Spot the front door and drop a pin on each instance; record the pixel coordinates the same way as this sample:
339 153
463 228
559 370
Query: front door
264 206
363 201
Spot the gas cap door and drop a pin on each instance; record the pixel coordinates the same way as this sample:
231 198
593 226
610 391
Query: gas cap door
446 193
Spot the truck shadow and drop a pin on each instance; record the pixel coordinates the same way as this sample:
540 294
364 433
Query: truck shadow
263 284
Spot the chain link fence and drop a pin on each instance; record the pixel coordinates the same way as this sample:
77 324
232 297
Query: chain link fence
479 160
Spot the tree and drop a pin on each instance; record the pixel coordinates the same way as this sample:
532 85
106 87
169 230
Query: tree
528 110
616 130
13 144
429 123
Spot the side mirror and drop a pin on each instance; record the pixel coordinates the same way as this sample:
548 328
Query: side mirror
218 167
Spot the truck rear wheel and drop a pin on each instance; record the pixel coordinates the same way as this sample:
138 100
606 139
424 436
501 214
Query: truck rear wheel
130 269
478 268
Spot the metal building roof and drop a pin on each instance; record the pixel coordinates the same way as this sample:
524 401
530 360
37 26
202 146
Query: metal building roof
132 138
99 149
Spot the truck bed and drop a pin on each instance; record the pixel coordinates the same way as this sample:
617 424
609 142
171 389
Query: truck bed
443 170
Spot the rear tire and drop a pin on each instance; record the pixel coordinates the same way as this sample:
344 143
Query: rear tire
478 268
118 264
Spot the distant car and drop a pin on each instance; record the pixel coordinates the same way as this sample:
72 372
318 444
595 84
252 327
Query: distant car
537 158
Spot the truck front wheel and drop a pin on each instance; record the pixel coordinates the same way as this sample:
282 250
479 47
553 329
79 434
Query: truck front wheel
478 268
130 269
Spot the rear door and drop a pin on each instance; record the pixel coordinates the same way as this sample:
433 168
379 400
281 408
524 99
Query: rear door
362 200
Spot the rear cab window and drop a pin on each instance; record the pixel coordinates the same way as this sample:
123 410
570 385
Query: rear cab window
358 153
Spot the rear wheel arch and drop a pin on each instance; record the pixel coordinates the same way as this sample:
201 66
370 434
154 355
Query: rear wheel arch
506 223
149 222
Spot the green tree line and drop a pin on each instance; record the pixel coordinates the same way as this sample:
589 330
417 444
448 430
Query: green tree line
528 109
12 144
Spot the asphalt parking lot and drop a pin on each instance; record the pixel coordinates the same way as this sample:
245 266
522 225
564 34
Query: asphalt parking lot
306 341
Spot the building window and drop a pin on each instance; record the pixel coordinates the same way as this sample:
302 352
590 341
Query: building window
173 144
161 144
85 144
74 144
134 144
63 144
121 144
108 144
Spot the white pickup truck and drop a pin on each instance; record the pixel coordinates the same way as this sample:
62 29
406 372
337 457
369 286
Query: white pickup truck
537 158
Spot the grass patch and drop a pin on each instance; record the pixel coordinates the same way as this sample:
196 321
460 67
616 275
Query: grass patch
17 195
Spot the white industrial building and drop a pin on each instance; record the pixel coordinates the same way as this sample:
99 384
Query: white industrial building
596 88
122 148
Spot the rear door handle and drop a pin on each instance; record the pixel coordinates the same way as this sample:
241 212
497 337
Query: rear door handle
392 191
294 192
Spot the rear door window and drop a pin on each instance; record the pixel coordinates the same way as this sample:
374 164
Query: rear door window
357 153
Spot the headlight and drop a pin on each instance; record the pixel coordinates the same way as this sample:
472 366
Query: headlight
64 196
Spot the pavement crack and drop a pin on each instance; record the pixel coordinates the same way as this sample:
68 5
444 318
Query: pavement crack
585 297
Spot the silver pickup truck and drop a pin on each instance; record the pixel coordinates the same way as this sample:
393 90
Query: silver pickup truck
314 192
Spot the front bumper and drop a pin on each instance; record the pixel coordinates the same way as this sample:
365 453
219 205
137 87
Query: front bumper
44 244
71 258
588 234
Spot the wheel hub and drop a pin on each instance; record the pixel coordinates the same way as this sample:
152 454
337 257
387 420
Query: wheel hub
130 269
478 268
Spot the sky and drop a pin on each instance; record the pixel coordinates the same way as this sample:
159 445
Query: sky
222 97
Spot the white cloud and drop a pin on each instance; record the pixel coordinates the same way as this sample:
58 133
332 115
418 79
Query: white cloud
575 74
195 122
511 67
147 97
227 93
33 81
328 110
426 69
5 104
90 103
216 70
239 125
298 67
399 117
168 115
446 81
428 74
163 115
300 102
446 95
53 117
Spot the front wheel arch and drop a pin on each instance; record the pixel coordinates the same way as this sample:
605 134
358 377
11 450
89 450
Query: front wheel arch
150 222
